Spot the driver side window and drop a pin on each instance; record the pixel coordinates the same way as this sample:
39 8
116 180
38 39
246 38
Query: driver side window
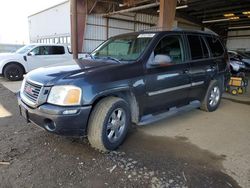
171 47
35 51
41 50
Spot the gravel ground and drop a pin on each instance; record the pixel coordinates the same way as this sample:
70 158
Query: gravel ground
35 158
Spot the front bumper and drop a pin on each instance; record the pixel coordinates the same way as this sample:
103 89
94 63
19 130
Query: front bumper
52 119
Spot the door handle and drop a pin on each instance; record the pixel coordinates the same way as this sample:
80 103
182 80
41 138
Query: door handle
211 68
185 71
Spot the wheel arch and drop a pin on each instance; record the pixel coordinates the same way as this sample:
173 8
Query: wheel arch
221 79
127 95
15 63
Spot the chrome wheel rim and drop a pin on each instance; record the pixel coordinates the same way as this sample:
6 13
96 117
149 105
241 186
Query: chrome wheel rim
116 125
214 96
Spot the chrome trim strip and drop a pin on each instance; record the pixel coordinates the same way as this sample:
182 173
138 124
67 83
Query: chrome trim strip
175 88
26 100
34 82
169 89
197 83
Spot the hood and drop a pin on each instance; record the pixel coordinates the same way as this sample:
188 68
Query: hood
8 55
51 75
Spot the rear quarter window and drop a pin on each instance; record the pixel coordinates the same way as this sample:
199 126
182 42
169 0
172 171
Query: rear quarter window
57 50
195 47
215 46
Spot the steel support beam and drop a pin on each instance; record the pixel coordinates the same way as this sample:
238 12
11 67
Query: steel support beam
78 14
167 14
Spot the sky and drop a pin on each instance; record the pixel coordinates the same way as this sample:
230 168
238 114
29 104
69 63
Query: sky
14 14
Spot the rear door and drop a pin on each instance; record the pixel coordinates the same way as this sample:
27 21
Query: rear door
218 54
201 65
58 55
168 85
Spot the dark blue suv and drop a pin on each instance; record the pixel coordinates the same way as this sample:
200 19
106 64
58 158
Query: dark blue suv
135 78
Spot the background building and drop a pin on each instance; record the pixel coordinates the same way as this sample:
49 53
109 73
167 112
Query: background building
53 25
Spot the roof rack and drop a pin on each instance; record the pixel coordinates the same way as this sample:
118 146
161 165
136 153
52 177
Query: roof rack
198 31
155 29
178 29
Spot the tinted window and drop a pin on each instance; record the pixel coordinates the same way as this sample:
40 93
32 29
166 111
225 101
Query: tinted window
36 51
172 47
48 50
215 46
204 48
56 50
195 47
41 50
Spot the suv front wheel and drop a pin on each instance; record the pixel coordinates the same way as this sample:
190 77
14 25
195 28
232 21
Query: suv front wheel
212 98
109 123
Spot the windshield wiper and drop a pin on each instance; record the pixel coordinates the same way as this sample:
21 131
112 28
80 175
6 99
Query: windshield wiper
112 58
91 56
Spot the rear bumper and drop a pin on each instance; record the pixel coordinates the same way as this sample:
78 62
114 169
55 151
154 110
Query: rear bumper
52 119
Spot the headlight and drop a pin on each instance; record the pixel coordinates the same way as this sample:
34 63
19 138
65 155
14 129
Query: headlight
65 95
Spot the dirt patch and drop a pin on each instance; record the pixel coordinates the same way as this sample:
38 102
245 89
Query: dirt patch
176 157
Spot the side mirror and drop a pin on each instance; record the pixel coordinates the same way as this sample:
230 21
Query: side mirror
161 60
31 54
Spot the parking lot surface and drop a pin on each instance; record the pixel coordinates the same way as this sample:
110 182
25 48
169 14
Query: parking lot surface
12 86
195 149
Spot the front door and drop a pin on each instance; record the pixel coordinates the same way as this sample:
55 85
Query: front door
43 56
167 85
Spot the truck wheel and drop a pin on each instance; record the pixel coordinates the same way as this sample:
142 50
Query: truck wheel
212 98
13 72
108 124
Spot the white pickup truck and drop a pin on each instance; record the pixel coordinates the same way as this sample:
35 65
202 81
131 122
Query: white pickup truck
14 65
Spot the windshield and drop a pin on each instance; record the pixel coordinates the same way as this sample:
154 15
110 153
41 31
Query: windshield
25 49
124 48
244 55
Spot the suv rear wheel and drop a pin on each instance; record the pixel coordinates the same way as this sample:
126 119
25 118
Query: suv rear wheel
13 72
212 98
109 123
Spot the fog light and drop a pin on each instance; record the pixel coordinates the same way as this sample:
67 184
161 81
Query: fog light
67 112
49 125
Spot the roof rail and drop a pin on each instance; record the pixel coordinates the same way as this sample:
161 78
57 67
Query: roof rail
211 32
155 29
177 29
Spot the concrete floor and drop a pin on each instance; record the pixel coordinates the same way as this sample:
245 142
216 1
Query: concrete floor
225 132
12 86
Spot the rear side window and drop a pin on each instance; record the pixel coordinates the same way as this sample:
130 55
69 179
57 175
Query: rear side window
215 46
56 50
204 48
195 47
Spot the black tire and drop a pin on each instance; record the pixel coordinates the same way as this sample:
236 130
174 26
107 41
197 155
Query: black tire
207 104
13 72
98 129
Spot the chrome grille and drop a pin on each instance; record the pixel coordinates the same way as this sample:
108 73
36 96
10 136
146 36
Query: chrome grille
31 91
